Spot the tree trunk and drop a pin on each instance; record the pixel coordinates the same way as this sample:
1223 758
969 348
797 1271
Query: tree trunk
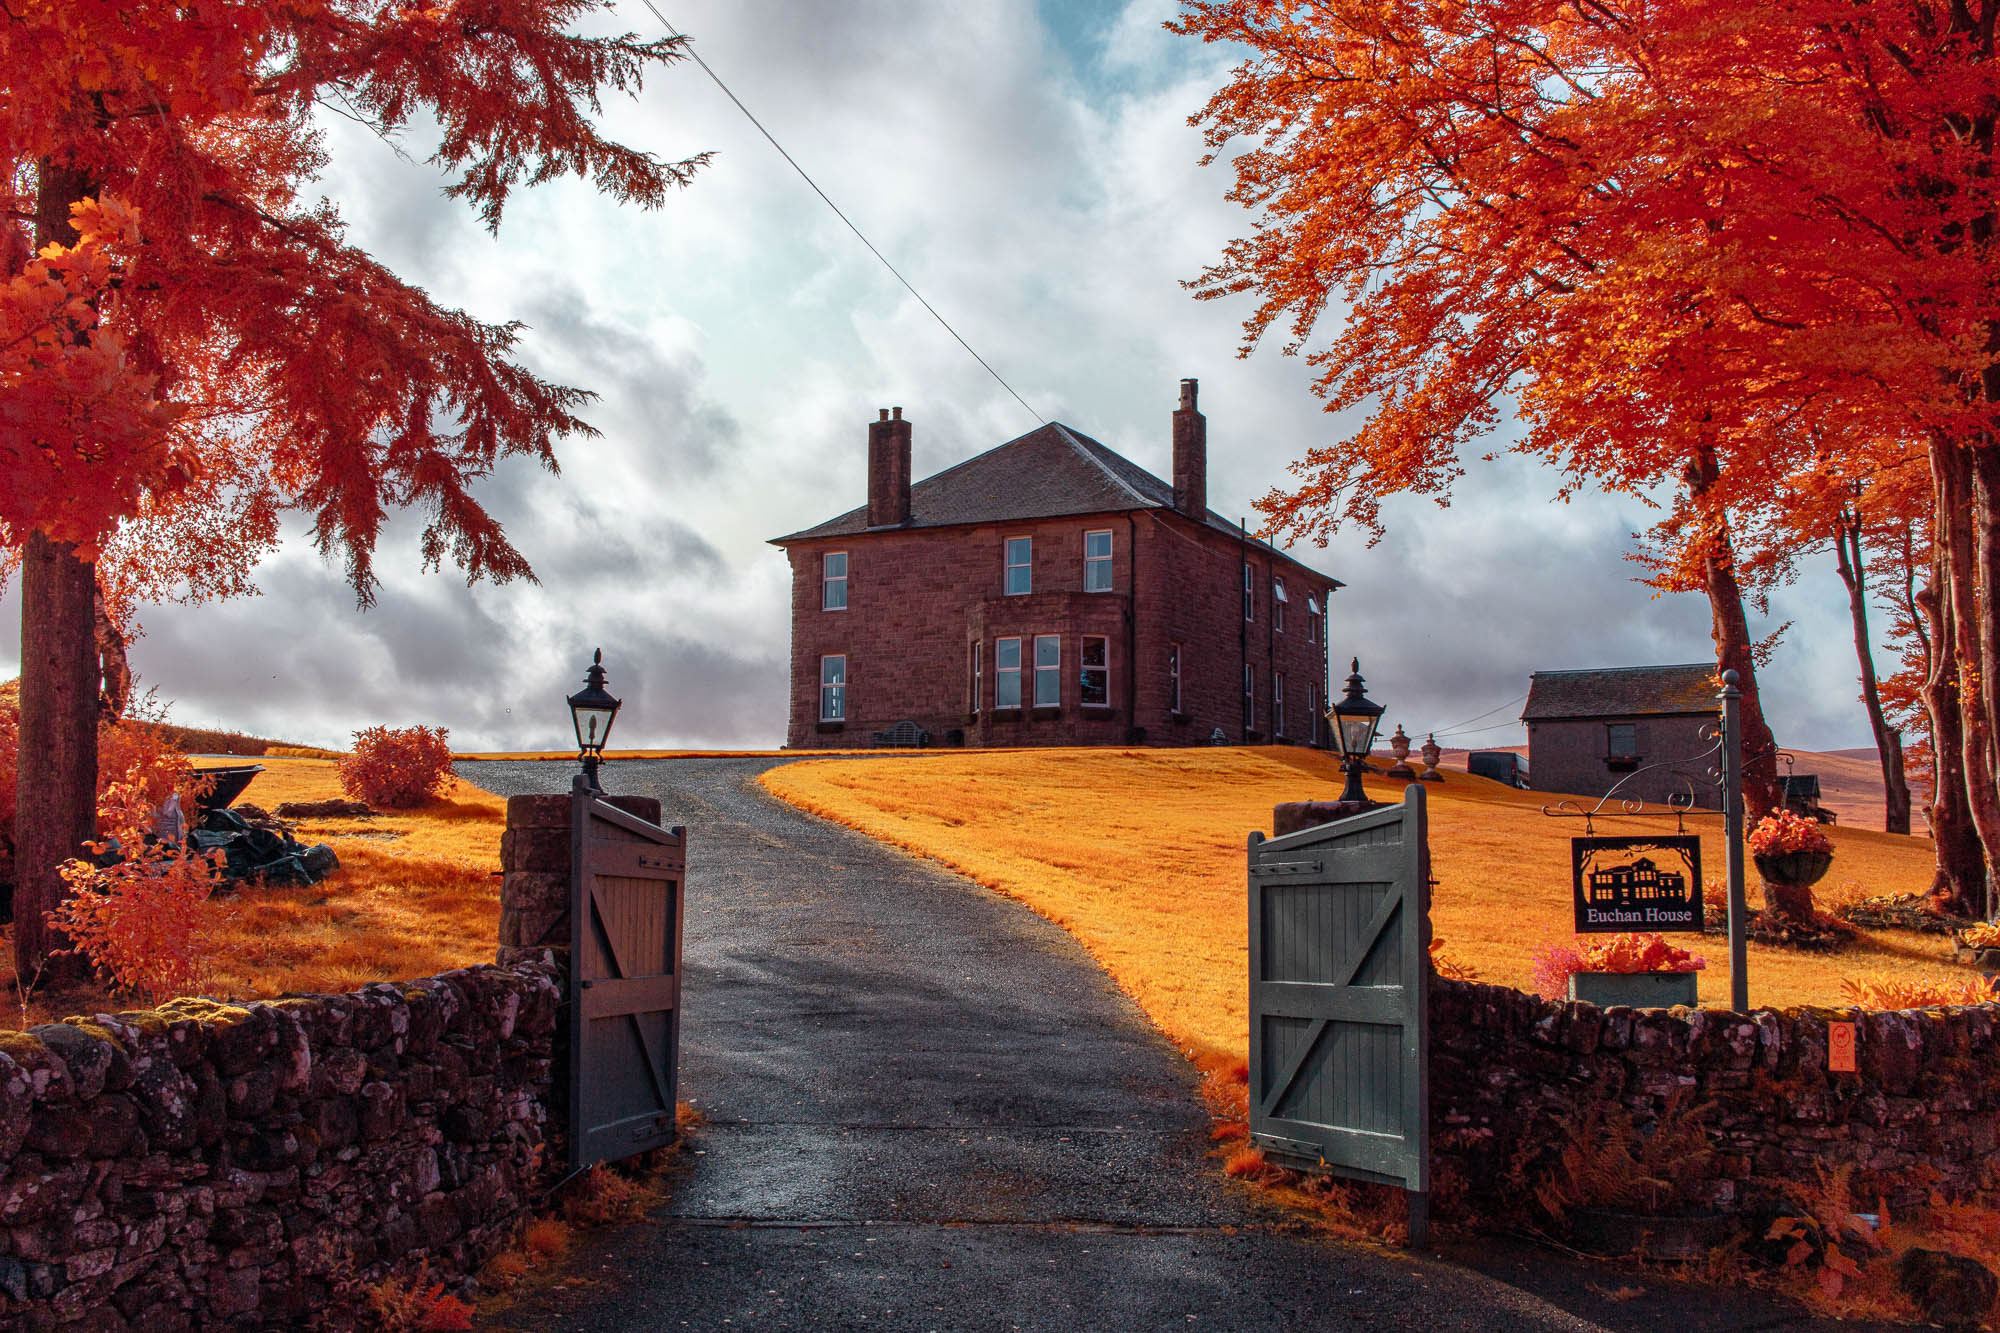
1730 629
1958 543
1888 744
116 695
1958 886
55 810
55 807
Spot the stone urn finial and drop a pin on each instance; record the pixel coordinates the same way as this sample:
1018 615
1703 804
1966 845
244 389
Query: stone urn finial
1399 745
1430 754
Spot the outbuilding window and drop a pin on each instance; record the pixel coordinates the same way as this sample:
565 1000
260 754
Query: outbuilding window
1621 742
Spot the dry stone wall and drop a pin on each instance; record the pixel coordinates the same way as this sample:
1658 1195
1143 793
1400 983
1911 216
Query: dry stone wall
1513 1077
209 1165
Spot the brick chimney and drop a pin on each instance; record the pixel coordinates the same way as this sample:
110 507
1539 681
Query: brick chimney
1190 456
889 470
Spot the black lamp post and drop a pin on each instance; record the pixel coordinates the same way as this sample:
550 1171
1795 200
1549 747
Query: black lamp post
1356 716
592 710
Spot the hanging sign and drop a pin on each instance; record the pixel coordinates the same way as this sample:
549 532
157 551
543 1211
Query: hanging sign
1636 884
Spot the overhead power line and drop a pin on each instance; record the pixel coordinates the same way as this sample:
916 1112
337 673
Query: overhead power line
696 55
1460 726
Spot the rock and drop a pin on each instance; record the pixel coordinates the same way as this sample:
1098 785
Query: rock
333 809
1948 1289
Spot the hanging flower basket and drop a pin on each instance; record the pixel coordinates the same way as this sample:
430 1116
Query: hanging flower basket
1794 868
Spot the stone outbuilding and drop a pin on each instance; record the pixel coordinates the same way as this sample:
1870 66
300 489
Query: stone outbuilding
1588 730
1051 592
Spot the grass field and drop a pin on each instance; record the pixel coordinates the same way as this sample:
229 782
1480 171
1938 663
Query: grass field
1140 855
416 893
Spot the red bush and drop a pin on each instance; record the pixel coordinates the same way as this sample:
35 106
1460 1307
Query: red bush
397 769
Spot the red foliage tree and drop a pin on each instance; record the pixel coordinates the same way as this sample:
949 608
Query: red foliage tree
1697 245
177 314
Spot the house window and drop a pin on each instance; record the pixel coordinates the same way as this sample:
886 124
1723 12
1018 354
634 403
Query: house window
1249 597
1622 742
1312 621
1020 565
1249 700
833 582
1096 671
1097 561
1048 671
978 675
1312 703
1278 600
1278 703
1174 678
1006 673
833 688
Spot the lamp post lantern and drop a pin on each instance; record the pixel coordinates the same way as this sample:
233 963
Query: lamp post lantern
592 710
1355 717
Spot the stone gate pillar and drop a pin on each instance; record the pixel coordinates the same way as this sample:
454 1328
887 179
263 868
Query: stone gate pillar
534 870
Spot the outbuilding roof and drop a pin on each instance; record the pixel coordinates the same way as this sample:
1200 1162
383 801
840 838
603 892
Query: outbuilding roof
1051 472
1643 691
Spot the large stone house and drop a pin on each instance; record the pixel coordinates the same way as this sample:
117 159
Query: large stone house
1051 592
1590 730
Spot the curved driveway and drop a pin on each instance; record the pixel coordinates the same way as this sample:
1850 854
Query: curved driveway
928 1109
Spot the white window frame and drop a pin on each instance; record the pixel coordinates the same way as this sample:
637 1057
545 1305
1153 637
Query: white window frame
834 689
1249 699
1001 673
1084 671
1098 564
828 579
1051 671
1173 678
1249 596
1278 600
1277 703
1027 567
978 675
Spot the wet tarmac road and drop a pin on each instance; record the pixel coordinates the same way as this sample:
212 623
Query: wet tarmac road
928 1109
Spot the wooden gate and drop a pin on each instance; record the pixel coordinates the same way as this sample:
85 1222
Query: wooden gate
1339 979
626 882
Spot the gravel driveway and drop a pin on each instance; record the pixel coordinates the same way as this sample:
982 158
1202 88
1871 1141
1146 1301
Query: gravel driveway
928 1109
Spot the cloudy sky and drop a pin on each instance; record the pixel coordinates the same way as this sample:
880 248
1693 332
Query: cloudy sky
1030 168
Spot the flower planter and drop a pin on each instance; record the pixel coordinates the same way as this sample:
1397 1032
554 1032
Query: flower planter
1640 990
1793 868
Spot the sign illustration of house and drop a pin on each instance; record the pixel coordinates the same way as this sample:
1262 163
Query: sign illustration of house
1636 885
1051 592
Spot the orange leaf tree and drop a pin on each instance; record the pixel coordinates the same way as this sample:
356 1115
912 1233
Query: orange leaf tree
1703 250
184 332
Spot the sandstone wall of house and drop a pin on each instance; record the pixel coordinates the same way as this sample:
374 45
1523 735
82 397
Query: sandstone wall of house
208 1165
1513 1076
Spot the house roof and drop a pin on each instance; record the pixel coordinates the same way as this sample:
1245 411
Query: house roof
1051 472
1644 691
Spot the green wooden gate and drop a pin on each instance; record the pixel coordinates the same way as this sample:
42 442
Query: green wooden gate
626 903
1339 979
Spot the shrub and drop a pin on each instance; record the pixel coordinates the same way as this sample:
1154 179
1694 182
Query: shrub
1885 992
397 768
145 922
417 1305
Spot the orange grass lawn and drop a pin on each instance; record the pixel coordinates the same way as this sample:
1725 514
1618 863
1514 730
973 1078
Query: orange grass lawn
415 894
1140 855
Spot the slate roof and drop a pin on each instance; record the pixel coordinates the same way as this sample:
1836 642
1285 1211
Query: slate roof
1646 691
1050 472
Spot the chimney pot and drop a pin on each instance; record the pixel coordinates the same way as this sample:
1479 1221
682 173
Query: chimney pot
883 414
1190 456
895 414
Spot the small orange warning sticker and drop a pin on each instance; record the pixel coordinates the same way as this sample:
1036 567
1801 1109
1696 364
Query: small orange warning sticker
1840 1047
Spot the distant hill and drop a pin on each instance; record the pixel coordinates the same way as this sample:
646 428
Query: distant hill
1850 781
190 740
